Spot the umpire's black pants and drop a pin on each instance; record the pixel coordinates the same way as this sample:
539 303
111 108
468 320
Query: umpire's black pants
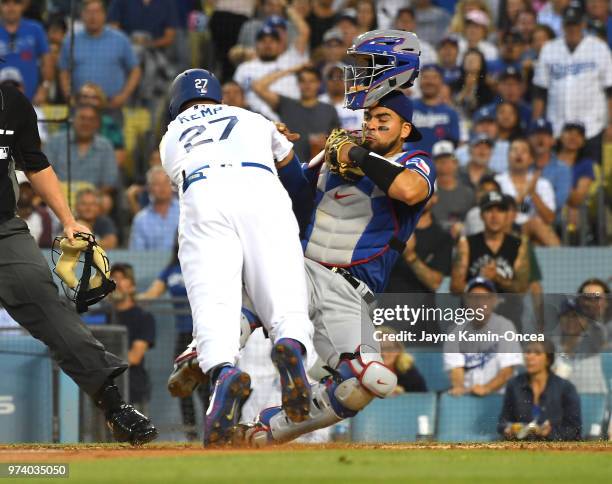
30 296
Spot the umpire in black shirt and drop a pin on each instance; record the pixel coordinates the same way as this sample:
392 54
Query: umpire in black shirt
27 290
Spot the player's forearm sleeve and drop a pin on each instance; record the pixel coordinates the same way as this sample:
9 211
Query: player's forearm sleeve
299 190
381 171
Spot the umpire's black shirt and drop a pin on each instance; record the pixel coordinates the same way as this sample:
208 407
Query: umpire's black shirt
19 146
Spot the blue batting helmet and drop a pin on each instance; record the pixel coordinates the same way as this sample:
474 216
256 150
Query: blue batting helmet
384 60
193 84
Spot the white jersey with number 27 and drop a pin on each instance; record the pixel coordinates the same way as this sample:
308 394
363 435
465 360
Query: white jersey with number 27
236 228
214 134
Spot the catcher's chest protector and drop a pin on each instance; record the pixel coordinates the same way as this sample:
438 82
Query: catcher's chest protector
353 222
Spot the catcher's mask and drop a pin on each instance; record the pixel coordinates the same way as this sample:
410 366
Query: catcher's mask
91 287
381 62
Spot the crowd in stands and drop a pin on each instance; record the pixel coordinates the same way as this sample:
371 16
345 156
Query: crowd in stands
495 84
513 101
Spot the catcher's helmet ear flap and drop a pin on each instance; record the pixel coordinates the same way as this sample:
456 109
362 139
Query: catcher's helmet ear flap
193 84
89 288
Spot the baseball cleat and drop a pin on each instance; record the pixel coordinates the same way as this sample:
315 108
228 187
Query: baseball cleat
186 374
287 356
129 425
232 389
254 435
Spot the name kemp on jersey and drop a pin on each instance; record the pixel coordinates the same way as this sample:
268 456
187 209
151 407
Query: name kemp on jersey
201 113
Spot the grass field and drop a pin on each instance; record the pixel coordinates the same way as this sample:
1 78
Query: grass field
172 463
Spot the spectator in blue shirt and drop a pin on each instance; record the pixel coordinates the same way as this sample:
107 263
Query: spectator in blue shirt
93 158
431 21
23 45
434 119
485 123
102 55
110 129
510 88
448 56
555 171
448 5
570 150
156 225
88 212
539 405
157 18
551 14
512 48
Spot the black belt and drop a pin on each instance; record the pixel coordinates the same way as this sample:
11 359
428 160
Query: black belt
368 297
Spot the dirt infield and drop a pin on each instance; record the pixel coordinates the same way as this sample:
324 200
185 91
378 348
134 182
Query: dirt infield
68 453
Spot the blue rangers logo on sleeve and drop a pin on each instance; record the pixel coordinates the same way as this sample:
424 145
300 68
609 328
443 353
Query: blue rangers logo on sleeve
419 161
420 165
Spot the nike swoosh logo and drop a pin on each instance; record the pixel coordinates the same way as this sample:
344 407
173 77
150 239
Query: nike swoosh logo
380 382
230 416
337 195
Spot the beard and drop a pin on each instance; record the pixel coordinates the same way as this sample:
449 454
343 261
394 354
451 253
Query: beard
379 147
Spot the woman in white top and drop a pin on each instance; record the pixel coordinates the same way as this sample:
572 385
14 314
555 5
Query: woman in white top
534 194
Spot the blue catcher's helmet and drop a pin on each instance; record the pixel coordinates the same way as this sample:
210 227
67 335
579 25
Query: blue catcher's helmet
193 84
383 60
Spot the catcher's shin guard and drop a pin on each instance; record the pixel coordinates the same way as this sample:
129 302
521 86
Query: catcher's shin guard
353 385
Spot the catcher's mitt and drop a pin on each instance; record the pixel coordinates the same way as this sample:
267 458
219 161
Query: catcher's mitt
335 141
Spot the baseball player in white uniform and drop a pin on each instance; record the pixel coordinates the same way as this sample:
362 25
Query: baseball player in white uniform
236 224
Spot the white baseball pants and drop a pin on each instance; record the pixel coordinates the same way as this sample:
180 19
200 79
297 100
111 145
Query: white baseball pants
235 225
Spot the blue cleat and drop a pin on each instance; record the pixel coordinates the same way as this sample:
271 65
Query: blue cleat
232 389
287 356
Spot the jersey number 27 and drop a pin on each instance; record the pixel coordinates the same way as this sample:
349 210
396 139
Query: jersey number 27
194 136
